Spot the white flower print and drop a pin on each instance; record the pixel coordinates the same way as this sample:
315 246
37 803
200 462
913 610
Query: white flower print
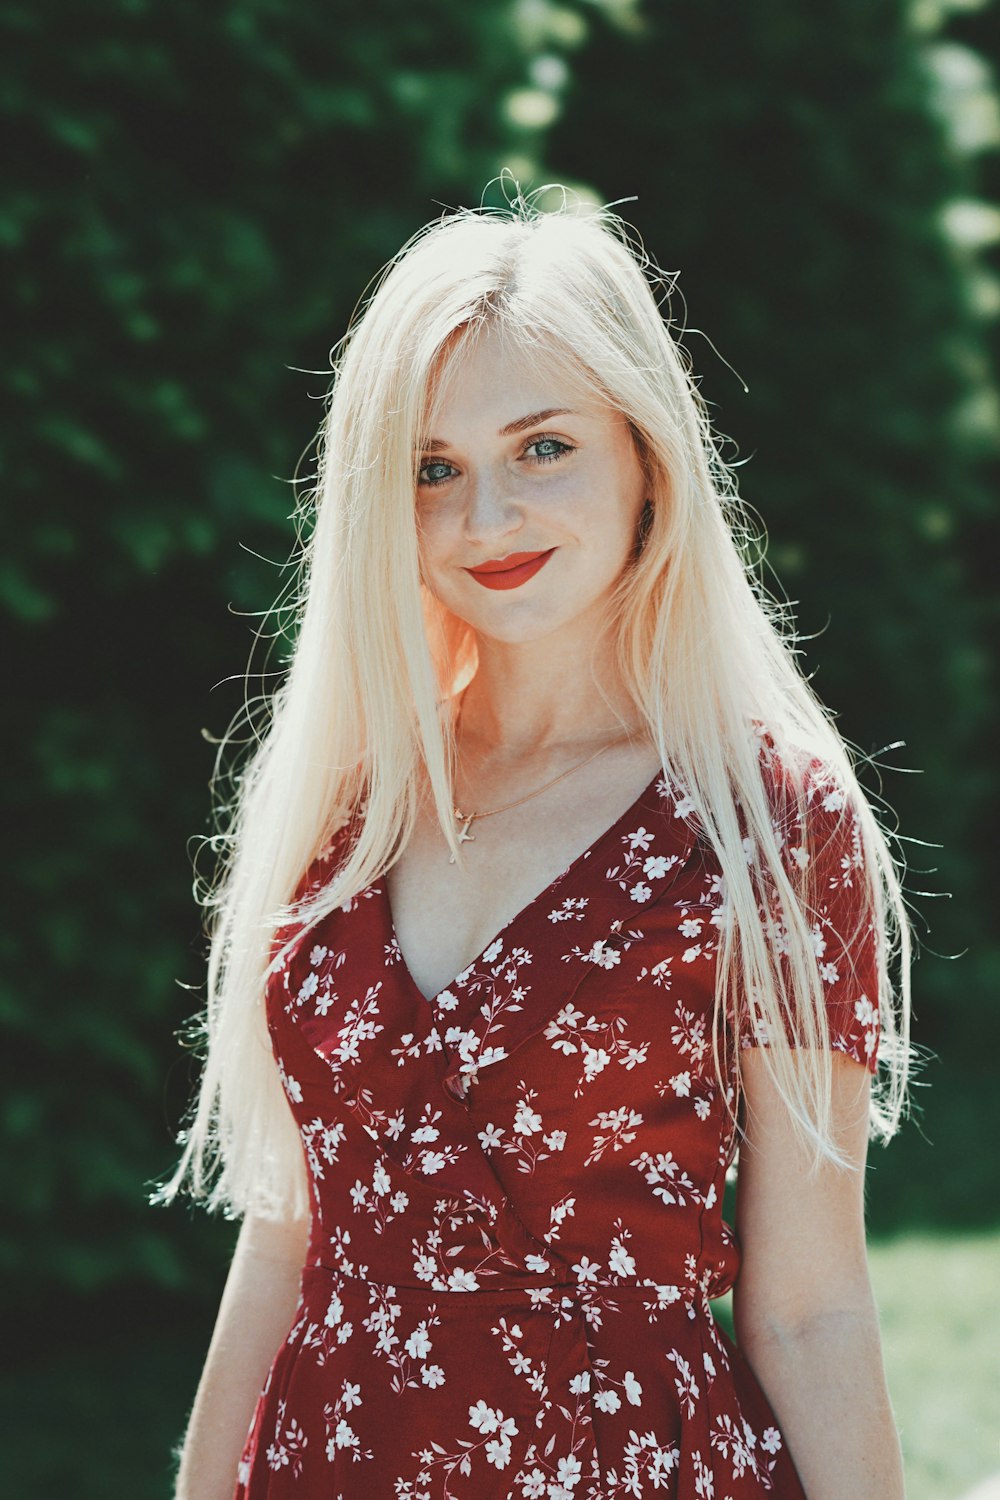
322 1142
687 1387
526 1120
340 1434
596 1040
418 1344
571 910
432 1263
620 1262
562 1028
621 1126
288 1445
308 987
558 1213
549 1131
291 1085
586 1270
603 955
660 973
378 1198
595 1060
669 1182
689 1034
463 1281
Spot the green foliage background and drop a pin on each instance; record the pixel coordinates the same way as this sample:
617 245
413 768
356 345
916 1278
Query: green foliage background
198 197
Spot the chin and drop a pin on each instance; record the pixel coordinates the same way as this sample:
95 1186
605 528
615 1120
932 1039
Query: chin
520 627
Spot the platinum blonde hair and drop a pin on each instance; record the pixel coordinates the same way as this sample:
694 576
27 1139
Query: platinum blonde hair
359 715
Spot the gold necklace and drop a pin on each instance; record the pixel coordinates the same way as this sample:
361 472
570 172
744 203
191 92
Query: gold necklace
466 820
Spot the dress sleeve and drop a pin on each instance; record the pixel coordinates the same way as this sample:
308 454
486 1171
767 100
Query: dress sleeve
824 847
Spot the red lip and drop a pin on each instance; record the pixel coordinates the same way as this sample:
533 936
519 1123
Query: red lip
510 572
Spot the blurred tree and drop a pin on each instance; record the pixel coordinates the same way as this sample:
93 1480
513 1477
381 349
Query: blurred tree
793 164
198 197
967 58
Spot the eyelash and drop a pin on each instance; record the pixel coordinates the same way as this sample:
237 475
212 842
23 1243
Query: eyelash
538 458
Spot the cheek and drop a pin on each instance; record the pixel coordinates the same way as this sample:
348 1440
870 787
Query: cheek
616 501
438 543
432 533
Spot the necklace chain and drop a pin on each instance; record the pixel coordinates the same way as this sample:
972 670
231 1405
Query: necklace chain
467 819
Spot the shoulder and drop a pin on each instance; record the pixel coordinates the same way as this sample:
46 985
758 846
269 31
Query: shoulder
806 788
817 817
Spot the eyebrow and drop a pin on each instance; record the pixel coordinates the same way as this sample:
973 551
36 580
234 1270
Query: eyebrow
521 424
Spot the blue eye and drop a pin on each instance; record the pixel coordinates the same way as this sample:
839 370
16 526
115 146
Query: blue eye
554 449
547 450
428 474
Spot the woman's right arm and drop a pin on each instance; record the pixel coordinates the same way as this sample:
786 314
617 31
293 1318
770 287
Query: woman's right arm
255 1314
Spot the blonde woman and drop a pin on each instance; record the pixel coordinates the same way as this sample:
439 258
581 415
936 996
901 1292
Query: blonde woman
550 888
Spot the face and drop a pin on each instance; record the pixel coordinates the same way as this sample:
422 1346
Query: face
529 492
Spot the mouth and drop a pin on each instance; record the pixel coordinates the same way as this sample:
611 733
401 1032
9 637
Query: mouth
510 572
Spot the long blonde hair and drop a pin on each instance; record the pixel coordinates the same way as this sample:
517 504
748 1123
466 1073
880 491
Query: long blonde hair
359 716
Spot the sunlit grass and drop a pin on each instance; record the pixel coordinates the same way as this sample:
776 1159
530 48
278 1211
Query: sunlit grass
937 1297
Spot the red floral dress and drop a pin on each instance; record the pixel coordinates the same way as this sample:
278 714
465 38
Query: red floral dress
517 1189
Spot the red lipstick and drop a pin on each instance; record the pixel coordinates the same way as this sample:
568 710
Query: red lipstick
510 572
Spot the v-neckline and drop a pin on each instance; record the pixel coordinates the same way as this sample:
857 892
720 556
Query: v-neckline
522 911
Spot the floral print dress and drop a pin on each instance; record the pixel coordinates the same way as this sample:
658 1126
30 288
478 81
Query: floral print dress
517 1188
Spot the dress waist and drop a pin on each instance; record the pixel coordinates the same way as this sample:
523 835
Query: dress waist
525 1291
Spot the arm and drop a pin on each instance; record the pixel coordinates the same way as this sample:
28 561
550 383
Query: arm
803 1306
255 1313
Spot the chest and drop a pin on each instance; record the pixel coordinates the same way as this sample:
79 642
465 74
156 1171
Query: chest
444 916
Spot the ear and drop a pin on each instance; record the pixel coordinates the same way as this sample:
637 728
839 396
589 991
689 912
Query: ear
644 456
645 524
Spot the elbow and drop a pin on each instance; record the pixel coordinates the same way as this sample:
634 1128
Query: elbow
783 1325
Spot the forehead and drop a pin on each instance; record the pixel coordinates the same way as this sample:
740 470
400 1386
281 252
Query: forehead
490 371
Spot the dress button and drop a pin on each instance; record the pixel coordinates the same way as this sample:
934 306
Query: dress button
456 1088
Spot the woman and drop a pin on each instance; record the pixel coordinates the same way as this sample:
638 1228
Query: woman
550 886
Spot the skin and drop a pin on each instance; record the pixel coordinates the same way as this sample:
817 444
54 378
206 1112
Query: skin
571 481
255 1314
803 1306
522 457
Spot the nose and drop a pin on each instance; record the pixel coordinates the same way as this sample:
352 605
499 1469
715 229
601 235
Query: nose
492 511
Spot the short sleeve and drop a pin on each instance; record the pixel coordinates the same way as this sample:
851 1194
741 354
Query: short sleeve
822 850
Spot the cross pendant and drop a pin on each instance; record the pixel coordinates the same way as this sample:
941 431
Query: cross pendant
464 836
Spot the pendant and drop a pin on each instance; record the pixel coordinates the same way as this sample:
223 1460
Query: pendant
464 836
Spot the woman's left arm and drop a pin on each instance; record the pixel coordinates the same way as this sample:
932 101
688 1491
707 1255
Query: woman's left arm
803 1307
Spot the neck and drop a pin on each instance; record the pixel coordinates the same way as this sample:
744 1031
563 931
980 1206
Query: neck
525 701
